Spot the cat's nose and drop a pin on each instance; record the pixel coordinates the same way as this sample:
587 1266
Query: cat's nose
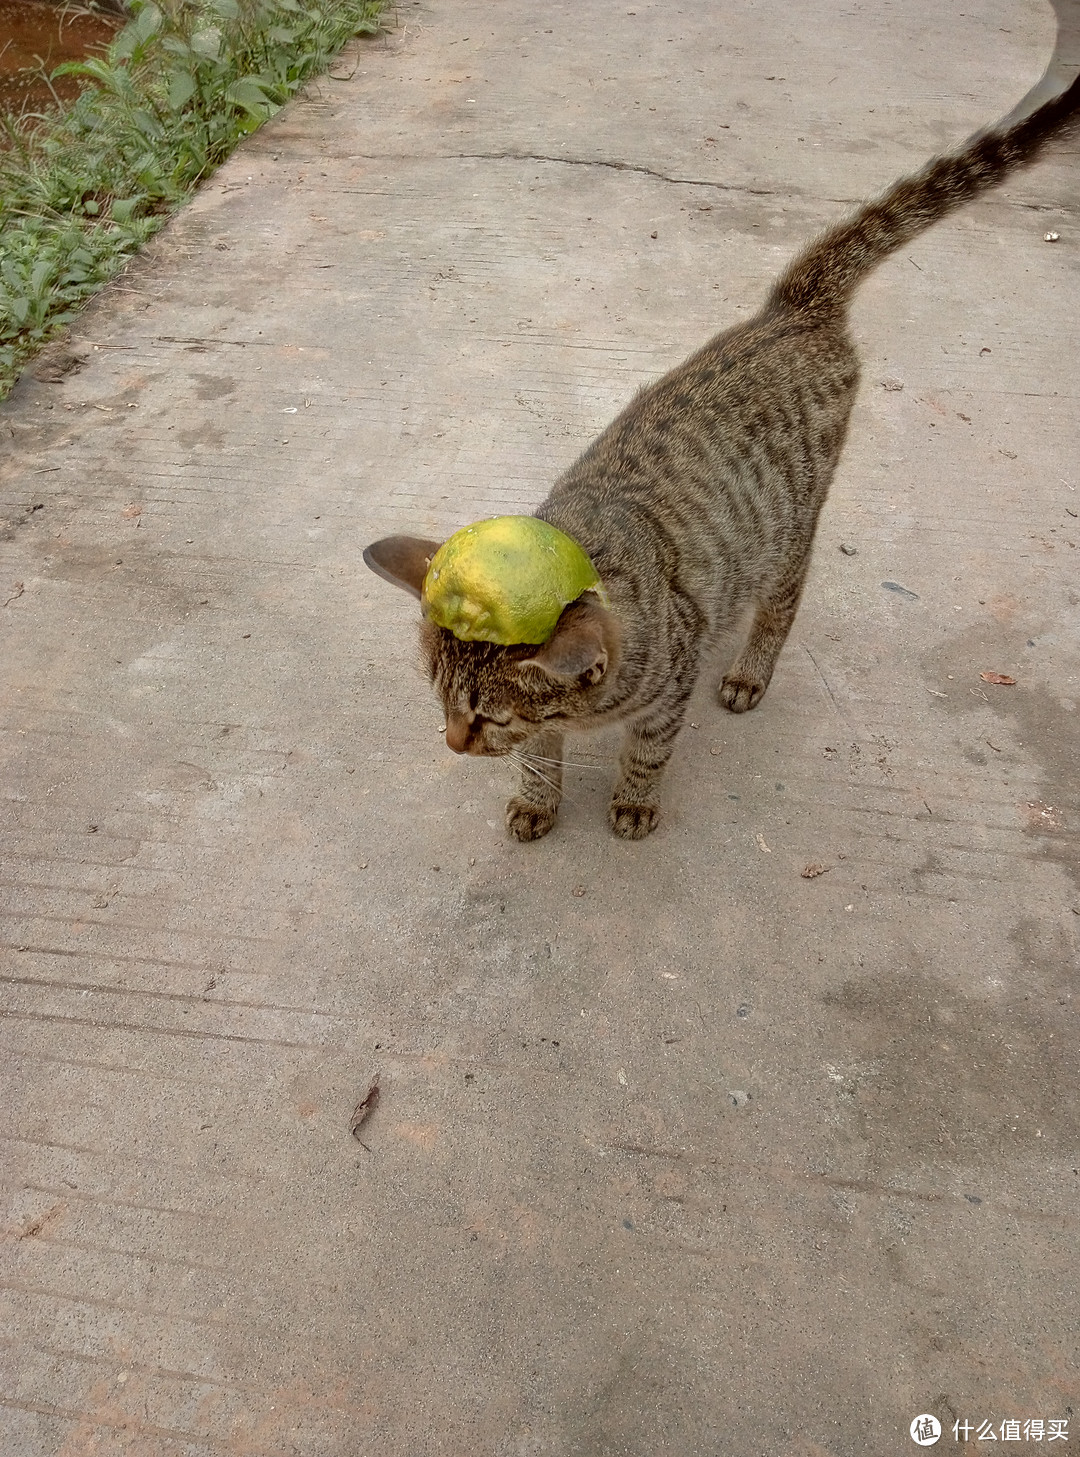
457 732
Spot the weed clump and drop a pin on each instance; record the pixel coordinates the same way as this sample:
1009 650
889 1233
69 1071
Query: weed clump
84 186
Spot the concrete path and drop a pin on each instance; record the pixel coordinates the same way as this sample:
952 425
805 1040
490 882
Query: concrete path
678 1151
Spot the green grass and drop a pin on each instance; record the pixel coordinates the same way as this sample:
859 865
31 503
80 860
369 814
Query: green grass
84 186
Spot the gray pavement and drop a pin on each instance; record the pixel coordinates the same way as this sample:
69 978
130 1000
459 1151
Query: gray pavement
677 1150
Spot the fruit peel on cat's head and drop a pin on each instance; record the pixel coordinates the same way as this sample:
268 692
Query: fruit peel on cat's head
507 580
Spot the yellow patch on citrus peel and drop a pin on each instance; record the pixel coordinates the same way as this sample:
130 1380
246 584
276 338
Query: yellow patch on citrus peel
506 580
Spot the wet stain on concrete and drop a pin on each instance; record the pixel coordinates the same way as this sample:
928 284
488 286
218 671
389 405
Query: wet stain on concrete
1032 715
204 435
213 386
964 1077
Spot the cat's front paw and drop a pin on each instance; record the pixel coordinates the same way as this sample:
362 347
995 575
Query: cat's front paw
740 694
527 821
633 821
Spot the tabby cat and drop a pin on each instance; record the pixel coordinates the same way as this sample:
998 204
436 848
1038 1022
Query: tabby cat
697 503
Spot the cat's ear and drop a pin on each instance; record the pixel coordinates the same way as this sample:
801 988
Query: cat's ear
403 560
584 645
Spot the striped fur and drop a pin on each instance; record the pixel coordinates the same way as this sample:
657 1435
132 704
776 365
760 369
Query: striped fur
698 505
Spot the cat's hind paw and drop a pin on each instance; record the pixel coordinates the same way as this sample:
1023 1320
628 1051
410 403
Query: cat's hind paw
527 821
633 821
738 695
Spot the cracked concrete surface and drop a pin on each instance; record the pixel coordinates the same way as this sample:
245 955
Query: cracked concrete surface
583 162
678 1149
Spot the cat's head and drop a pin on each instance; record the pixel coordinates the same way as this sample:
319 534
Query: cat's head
497 697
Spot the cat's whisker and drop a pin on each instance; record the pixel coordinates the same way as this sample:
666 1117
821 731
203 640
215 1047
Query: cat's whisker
532 769
570 763
531 759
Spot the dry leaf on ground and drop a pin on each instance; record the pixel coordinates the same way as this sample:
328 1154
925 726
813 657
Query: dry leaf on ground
367 1104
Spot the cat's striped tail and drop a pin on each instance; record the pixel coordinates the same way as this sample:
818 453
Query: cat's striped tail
823 277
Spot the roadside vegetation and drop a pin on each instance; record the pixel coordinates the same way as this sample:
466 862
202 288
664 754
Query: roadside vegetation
83 186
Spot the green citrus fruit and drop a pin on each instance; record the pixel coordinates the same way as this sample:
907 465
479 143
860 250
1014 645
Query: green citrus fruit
506 580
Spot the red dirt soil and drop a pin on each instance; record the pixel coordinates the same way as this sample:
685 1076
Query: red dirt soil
35 37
